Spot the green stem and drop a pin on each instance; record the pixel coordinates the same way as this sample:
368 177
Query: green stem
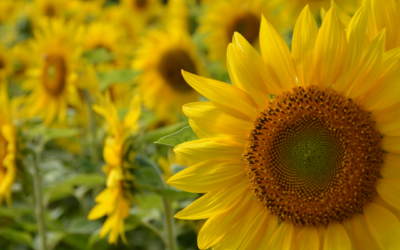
155 230
39 204
169 224
91 128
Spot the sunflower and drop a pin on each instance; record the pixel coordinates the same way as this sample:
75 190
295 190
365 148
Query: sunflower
51 81
115 200
241 16
143 10
160 58
6 65
302 151
10 10
48 9
8 147
384 14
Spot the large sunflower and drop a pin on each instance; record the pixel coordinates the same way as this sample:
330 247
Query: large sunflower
160 58
238 15
8 146
115 200
302 151
51 81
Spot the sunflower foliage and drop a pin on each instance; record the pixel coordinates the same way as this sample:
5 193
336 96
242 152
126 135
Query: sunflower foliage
140 124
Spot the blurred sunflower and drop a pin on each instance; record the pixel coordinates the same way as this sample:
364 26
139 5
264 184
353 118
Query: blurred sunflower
241 16
384 15
6 63
51 81
8 146
115 200
10 10
160 59
291 155
48 9
146 11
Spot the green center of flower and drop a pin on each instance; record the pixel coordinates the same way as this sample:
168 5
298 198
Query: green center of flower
248 25
170 66
314 157
54 74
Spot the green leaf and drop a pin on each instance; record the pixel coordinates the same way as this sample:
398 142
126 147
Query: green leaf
147 177
164 131
66 188
183 135
108 78
16 236
99 55
49 134
172 195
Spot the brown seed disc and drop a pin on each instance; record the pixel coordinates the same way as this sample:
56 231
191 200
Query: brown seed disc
314 157
54 74
170 68
141 4
248 25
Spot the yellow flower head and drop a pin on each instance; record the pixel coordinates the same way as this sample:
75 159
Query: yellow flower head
8 146
302 150
160 59
51 80
115 200
146 11
10 10
224 17
48 9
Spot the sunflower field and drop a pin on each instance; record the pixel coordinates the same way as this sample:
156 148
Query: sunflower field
199 124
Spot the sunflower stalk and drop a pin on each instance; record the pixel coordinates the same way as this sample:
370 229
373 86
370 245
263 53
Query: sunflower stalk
91 128
39 210
169 224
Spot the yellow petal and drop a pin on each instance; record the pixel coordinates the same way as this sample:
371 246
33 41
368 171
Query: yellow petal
383 225
283 237
389 190
208 175
330 50
277 56
367 72
336 238
205 149
245 75
362 236
98 211
215 202
304 36
217 226
391 166
385 92
203 133
308 239
258 232
391 144
270 228
212 118
223 93
133 115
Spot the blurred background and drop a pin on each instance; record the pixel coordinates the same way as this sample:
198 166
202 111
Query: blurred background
90 93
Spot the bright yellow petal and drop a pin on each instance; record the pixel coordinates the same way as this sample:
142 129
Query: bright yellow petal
203 133
330 50
390 169
362 236
277 56
215 202
383 225
208 175
283 237
391 144
304 36
308 239
336 238
217 226
223 94
389 190
205 149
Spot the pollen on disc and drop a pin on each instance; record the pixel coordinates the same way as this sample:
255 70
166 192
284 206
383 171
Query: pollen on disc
314 157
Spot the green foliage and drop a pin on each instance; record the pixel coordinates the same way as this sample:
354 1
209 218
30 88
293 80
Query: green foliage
183 135
16 236
108 78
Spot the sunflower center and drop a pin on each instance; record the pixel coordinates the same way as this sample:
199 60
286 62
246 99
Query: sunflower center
248 25
2 64
170 66
50 10
54 74
3 148
141 4
314 157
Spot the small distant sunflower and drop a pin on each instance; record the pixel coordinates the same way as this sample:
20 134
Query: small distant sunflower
224 17
10 10
48 9
302 151
143 10
8 147
51 81
384 15
160 59
115 200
